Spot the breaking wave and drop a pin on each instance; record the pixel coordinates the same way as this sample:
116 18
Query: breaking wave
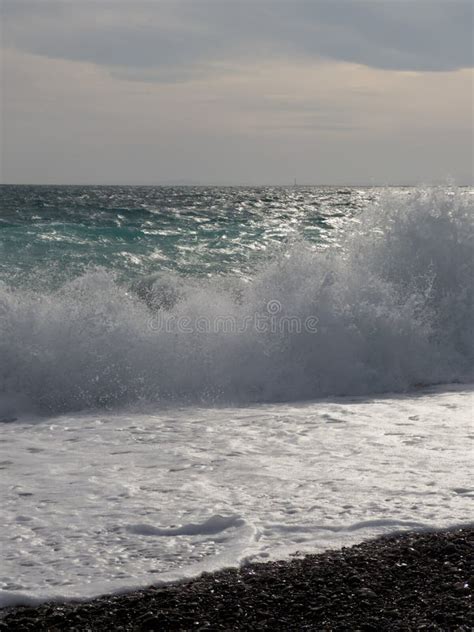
387 308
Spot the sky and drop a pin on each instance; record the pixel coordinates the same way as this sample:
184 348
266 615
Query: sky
236 92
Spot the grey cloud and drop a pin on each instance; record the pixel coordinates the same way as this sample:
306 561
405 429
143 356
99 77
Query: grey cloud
179 40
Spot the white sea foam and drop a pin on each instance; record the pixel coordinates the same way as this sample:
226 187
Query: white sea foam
97 503
389 307
155 490
214 524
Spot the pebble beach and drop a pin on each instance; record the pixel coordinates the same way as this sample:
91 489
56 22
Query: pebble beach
410 581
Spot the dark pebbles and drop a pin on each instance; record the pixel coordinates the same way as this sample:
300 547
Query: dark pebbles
412 581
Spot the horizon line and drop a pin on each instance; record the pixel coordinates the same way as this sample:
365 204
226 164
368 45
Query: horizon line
227 184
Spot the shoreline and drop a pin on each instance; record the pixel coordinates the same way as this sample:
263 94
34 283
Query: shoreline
405 581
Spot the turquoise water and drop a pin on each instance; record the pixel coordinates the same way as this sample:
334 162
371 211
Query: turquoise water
140 230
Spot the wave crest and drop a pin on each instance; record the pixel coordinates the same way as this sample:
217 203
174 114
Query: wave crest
391 306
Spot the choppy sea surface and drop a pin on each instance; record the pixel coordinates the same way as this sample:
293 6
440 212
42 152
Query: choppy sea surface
192 377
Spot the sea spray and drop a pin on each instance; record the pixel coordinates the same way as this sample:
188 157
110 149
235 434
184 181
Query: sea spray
387 307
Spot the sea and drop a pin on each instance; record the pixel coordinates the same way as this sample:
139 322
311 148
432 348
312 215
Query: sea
193 378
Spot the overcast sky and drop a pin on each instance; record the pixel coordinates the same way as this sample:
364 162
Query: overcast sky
230 91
